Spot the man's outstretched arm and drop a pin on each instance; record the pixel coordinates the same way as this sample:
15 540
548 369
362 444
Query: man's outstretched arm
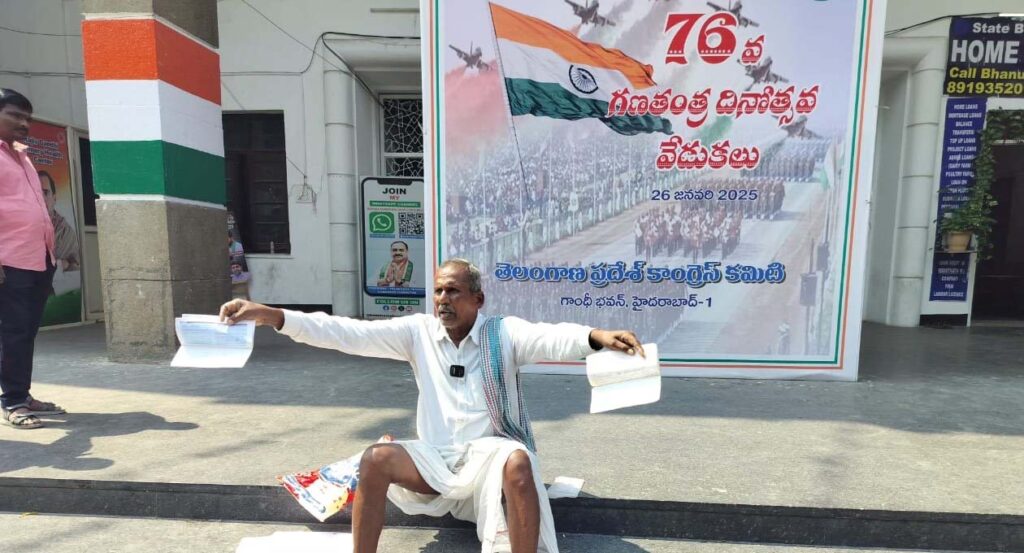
536 342
391 339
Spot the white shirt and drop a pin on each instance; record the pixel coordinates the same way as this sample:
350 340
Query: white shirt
450 410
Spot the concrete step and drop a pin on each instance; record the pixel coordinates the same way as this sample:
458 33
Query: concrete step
74 534
808 526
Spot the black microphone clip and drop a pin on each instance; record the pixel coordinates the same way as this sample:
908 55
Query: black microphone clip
458 371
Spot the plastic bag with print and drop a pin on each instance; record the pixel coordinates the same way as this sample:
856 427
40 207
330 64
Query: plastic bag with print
329 489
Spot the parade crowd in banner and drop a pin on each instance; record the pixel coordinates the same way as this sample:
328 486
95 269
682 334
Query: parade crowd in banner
567 195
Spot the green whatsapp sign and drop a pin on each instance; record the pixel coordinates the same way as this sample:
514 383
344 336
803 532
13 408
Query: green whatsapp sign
382 222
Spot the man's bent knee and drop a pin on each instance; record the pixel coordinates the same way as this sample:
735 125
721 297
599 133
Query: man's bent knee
378 461
518 471
390 464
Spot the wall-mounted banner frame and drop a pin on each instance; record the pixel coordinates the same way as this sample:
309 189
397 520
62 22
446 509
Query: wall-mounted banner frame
684 169
394 259
48 150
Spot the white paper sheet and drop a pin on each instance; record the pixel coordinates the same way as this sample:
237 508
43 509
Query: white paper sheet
306 542
621 380
564 486
208 343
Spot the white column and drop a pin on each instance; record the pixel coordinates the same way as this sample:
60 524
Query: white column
342 192
917 185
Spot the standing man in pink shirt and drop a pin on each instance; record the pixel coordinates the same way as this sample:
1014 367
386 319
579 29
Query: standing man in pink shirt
27 263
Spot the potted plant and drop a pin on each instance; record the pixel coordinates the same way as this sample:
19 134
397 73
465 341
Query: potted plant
973 219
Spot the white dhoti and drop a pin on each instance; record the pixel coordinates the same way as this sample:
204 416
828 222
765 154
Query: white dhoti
484 401
469 480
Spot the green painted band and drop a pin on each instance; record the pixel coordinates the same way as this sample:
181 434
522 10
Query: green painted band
157 167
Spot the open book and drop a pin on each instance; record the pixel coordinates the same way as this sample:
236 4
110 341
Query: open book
621 380
208 343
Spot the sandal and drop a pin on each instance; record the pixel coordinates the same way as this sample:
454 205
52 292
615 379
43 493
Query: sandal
37 407
22 421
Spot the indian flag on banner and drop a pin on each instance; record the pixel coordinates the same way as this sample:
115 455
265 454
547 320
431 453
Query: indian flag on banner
550 72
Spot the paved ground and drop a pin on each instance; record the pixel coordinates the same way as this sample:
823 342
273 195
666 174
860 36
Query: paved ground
63 534
934 425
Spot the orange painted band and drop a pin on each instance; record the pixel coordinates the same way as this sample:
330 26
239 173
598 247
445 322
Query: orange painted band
146 49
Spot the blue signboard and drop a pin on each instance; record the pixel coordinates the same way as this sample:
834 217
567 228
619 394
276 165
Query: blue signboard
965 118
950 272
986 57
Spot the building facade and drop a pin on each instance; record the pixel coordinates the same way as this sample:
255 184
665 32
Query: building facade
903 274
317 94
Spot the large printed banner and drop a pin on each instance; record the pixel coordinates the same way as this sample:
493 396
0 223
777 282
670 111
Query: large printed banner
48 150
691 170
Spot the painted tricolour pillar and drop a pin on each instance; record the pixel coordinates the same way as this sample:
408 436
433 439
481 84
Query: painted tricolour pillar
152 75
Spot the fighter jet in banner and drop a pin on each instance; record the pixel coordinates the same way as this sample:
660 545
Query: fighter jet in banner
472 58
762 73
736 10
588 13
798 129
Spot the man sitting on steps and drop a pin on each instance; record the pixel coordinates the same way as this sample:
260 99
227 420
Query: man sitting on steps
475 441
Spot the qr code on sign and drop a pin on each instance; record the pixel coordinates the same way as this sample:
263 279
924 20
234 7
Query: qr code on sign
410 225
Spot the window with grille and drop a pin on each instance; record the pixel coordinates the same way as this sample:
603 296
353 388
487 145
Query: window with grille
402 136
257 180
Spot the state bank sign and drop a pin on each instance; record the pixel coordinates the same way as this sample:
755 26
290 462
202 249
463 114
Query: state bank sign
986 57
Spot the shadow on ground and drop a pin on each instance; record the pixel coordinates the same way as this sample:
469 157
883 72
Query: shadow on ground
72 451
913 379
